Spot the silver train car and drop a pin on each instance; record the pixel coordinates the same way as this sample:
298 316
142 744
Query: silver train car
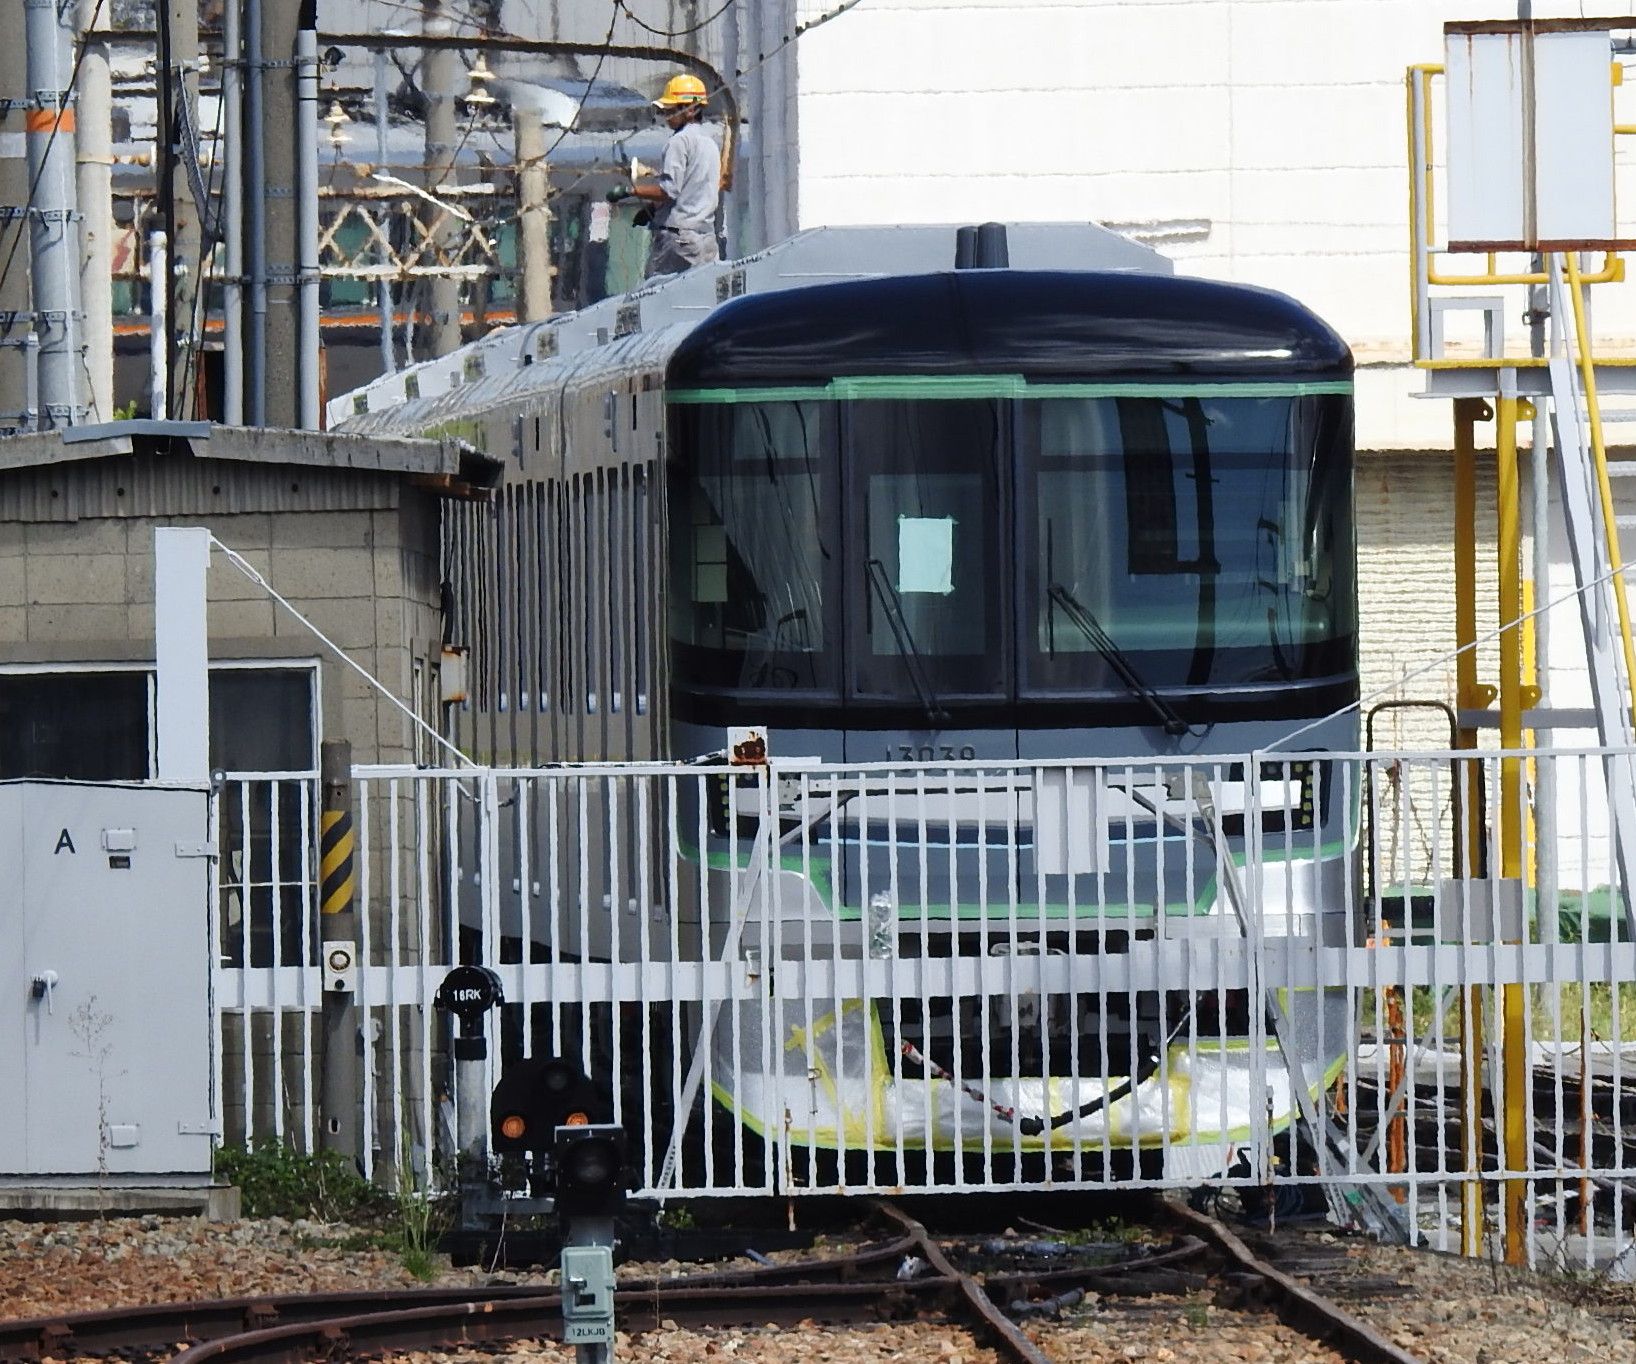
917 497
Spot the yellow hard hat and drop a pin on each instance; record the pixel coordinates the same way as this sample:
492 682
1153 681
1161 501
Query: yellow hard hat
682 91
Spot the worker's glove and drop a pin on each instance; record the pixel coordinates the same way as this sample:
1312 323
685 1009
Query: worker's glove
619 192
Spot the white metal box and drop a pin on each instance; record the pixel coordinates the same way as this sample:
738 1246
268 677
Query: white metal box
1530 140
105 1043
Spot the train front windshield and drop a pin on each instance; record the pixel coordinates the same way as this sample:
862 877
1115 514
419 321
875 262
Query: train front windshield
924 552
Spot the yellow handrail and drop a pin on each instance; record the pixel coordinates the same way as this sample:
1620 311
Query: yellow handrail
1599 455
1613 265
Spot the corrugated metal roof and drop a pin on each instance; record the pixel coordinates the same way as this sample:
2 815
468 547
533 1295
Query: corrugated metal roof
137 485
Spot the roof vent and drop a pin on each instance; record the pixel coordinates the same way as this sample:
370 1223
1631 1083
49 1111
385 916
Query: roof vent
981 248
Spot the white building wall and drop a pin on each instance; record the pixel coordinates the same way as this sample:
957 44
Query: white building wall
1274 126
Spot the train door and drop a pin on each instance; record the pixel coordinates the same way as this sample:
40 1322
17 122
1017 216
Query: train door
929 647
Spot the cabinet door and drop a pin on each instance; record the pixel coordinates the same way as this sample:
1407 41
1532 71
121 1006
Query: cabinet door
116 1054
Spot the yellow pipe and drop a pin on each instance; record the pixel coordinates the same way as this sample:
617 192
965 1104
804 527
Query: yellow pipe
1530 697
1467 412
1517 362
1414 210
1514 1044
1612 272
1599 454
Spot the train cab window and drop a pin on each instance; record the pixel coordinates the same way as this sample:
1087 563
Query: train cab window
928 563
1205 537
753 546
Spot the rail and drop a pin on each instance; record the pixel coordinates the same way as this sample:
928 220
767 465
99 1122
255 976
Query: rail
867 1286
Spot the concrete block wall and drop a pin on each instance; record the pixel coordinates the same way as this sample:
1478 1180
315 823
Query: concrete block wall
1406 565
83 592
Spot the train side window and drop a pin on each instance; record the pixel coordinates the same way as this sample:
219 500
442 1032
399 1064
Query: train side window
617 567
642 585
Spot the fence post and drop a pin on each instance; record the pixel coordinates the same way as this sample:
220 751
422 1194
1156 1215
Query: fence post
337 879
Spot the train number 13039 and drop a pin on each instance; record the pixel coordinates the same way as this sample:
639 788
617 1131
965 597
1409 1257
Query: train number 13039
929 753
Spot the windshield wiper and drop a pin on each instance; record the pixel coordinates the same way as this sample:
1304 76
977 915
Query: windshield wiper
892 608
1116 658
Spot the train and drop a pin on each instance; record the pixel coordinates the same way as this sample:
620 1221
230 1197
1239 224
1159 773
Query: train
1016 506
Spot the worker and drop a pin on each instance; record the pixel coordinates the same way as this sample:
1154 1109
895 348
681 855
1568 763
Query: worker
685 192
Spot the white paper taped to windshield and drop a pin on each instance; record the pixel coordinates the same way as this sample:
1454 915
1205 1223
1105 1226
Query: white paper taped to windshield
926 554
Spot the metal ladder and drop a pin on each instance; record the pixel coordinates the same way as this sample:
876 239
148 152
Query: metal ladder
1593 540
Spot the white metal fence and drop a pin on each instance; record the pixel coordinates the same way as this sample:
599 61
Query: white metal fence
807 978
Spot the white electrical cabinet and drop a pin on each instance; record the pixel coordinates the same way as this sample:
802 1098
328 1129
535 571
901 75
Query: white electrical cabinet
1530 139
105 1045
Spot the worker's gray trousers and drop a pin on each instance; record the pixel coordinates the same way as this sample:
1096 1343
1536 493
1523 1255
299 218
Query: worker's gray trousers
680 248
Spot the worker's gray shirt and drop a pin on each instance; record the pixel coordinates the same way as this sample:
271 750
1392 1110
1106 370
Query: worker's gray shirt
690 177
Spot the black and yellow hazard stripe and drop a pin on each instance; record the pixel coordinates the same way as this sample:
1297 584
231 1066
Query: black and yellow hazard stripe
335 875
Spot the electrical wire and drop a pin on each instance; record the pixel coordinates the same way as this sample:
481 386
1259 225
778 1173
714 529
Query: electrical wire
210 236
419 11
801 30
34 184
642 23
602 57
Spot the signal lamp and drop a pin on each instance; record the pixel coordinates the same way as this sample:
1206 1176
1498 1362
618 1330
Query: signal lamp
537 1095
589 1162
576 1120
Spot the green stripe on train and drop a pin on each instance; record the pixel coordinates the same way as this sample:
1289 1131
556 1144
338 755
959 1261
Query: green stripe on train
953 386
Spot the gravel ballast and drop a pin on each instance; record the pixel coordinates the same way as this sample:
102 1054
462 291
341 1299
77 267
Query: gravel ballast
1438 1307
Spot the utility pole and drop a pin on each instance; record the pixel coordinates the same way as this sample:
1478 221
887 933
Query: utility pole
53 221
341 1089
232 211
439 65
16 321
254 185
533 217
309 364
280 23
94 161
179 171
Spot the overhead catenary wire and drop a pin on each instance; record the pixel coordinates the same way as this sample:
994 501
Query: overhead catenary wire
1443 660
596 71
801 31
209 238
659 32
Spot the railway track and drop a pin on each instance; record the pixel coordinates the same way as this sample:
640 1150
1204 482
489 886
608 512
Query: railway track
908 1277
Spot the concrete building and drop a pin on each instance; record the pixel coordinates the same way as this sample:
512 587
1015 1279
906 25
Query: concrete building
346 530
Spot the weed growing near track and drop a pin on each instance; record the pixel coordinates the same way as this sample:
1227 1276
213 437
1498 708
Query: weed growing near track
277 1180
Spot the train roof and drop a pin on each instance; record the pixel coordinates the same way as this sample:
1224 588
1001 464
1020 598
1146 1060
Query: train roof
1036 323
509 363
